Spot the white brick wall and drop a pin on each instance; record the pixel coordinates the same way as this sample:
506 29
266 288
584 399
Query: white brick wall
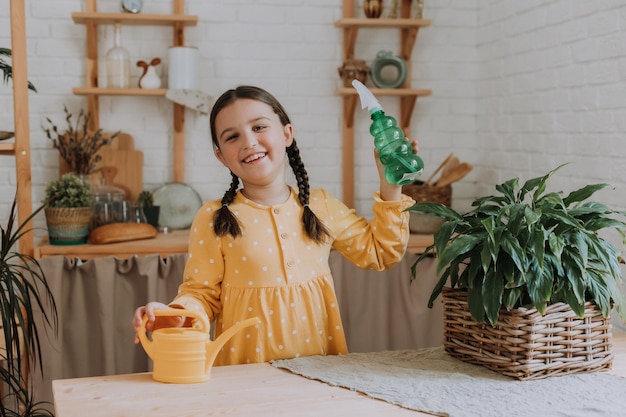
518 88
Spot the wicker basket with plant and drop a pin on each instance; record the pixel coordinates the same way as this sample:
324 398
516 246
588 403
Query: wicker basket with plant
531 281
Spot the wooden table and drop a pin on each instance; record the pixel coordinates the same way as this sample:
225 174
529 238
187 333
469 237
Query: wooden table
240 390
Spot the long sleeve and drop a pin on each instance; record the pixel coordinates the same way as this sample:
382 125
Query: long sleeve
378 244
202 278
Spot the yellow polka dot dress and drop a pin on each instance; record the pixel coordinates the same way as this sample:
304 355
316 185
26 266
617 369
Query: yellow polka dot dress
275 272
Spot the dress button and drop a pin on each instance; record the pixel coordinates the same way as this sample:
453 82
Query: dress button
276 210
283 235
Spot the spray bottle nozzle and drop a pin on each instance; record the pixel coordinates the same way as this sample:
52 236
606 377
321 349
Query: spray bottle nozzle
367 98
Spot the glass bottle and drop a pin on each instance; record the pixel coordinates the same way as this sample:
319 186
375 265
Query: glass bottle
118 63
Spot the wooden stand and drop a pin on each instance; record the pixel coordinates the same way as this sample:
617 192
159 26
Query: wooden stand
409 29
20 148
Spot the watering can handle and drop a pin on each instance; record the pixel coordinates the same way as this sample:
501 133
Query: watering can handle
200 319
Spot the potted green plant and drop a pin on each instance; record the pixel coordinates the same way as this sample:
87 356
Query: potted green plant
526 249
25 291
68 210
146 202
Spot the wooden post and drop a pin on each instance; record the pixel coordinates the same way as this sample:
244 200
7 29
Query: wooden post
22 129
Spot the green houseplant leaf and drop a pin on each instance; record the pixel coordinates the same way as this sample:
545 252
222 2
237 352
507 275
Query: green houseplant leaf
526 246
25 290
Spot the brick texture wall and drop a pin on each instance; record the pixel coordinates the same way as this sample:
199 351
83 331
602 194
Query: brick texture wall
519 87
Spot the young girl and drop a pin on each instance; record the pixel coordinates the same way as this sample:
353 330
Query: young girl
263 250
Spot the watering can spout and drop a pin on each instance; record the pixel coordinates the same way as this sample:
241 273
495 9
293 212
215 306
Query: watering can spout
214 347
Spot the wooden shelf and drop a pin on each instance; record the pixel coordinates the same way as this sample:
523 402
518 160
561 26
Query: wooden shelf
134 19
96 91
178 20
409 29
382 23
378 92
7 148
174 242
163 244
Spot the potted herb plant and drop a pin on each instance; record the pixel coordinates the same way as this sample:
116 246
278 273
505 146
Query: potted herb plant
77 145
146 202
25 290
68 210
526 252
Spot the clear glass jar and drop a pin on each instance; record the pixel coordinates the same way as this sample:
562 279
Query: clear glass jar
118 62
107 207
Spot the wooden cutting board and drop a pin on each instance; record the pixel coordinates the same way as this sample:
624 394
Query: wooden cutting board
128 164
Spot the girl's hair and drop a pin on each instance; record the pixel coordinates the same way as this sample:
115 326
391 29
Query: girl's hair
224 221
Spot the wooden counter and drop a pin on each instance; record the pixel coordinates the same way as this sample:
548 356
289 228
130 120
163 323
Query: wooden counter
173 242
164 244
240 390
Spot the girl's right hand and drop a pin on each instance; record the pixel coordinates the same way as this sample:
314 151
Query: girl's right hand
154 323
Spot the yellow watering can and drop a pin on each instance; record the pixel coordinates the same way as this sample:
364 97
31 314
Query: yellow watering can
185 355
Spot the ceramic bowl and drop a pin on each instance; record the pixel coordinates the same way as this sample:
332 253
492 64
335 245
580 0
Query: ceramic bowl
424 223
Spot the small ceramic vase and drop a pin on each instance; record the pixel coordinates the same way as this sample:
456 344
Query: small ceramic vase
373 8
151 79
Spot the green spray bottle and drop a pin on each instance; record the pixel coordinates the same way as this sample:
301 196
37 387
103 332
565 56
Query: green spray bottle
402 166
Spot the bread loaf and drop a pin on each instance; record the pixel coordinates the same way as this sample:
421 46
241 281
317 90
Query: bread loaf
121 232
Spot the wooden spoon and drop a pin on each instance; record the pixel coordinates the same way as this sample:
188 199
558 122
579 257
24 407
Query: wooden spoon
455 174
452 162
441 165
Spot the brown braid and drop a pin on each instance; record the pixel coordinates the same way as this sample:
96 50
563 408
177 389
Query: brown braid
224 222
314 227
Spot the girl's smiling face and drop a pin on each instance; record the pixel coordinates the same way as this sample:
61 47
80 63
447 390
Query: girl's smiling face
252 141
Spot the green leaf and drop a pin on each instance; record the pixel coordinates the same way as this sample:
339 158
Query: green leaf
493 287
511 246
475 304
436 209
511 297
574 269
437 290
556 244
540 183
583 193
508 189
577 306
539 287
457 248
601 289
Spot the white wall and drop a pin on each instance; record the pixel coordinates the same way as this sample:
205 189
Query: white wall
288 47
519 87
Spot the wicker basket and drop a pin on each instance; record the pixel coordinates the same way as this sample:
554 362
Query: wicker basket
422 192
526 345
68 226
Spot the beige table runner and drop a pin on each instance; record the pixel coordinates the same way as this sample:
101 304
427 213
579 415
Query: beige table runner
431 381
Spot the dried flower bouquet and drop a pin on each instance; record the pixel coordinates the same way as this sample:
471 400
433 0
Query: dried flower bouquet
77 145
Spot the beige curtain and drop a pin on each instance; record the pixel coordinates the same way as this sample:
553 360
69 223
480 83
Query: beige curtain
96 300
384 310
